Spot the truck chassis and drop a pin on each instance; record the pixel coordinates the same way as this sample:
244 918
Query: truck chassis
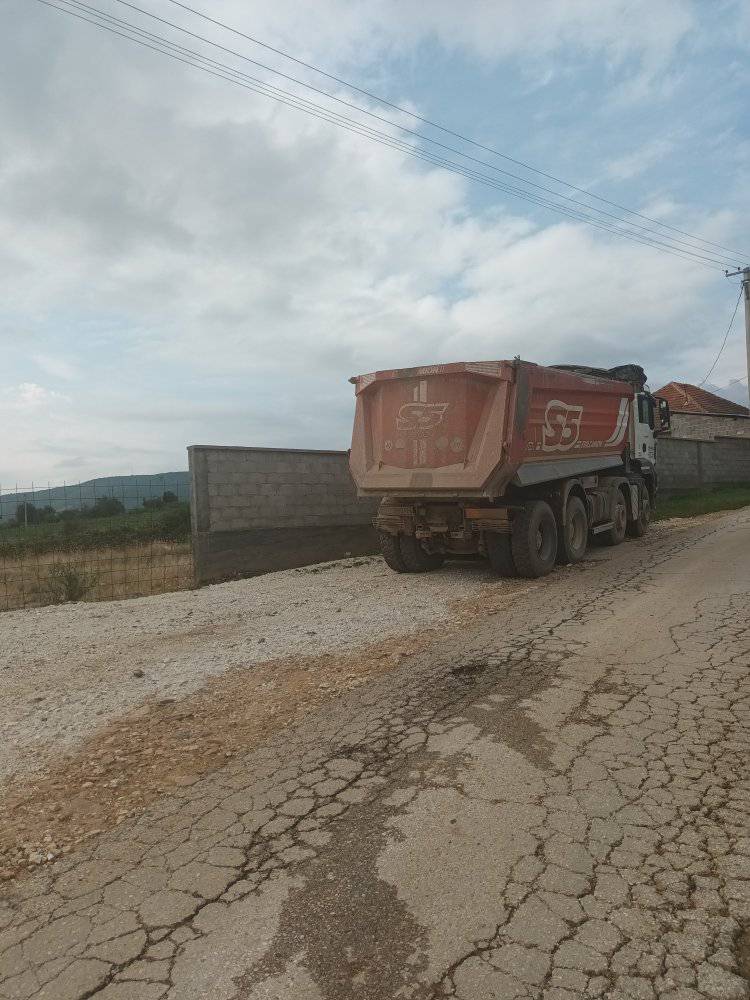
522 534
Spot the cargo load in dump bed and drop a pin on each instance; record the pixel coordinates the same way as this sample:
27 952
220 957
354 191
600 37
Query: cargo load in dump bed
472 429
505 459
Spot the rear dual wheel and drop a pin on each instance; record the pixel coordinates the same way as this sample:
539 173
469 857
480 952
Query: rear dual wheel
639 527
406 554
391 550
534 540
499 553
574 538
616 534
530 549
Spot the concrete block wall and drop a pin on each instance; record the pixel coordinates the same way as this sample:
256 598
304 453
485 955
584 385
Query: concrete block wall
688 464
678 464
707 427
726 460
260 509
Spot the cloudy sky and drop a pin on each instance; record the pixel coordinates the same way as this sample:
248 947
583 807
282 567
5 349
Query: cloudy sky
183 260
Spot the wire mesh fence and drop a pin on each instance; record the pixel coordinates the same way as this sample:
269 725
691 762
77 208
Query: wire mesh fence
120 537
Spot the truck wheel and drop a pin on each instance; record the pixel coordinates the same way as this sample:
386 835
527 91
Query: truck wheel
392 552
575 535
534 539
616 534
499 553
415 558
639 527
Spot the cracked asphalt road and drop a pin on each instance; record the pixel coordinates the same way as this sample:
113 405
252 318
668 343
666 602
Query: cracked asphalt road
555 805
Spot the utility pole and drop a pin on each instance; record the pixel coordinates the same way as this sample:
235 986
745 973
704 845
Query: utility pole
745 272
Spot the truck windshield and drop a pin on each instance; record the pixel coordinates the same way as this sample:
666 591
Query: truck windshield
645 410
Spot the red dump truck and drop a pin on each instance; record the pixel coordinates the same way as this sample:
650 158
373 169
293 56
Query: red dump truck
507 459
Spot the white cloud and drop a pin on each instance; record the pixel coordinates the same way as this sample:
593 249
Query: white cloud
28 396
639 160
344 31
620 28
55 366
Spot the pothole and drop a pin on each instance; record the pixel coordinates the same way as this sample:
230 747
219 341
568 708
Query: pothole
469 671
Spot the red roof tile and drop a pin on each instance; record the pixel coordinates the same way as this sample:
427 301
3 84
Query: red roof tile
685 398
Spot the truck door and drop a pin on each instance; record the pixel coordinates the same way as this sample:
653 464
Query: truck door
644 449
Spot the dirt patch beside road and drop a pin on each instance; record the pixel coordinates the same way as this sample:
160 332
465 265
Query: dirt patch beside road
119 769
66 671
124 766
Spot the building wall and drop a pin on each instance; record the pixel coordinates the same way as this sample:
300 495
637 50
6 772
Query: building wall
689 464
261 509
706 427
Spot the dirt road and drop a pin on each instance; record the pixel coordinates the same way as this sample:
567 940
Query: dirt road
554 802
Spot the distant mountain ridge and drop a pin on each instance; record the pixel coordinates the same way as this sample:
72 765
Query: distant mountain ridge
736 391
130 490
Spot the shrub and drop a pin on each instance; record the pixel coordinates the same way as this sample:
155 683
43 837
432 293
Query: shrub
66 582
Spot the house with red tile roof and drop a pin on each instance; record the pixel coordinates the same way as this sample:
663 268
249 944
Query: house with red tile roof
699 415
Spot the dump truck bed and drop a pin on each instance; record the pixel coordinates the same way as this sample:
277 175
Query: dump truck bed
470 429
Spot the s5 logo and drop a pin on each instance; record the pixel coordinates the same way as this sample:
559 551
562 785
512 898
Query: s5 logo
420 416
562 426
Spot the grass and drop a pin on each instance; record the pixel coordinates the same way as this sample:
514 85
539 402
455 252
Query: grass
729 497
136 527
100 574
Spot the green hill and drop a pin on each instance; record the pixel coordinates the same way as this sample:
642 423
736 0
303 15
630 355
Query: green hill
131 491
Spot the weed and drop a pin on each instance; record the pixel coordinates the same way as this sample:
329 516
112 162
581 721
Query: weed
67 583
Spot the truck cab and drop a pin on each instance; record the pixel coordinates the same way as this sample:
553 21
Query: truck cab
650 418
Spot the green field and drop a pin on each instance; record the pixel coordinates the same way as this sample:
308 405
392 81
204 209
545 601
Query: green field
729 497
171 523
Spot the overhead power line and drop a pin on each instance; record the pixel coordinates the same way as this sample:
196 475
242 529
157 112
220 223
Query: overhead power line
696 245
164 46
442 128
724 341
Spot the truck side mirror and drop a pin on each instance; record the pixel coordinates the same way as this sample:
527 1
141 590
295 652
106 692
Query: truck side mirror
665 420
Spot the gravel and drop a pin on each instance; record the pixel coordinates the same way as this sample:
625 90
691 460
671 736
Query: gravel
68 669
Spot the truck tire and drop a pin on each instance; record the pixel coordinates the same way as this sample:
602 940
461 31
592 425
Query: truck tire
415 558
391 550
573 541
500 553
616 534
639 527
534 540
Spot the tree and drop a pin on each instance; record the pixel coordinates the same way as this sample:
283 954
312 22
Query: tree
26 513
175 523
107 507
169 497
